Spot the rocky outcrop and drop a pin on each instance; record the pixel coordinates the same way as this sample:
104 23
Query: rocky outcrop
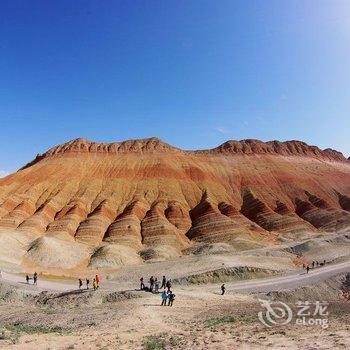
21 212
321 215
282 219
157 230
213 222
126 229
69 218
344 201
92 230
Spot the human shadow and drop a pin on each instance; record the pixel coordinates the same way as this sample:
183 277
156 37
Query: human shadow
27 284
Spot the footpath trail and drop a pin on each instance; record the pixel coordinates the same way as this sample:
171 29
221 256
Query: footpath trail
291 281
287 282
43 283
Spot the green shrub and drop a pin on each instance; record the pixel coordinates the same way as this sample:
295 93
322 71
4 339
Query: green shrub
219 320
154 342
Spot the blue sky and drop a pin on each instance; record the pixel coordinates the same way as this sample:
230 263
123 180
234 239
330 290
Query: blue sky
194 73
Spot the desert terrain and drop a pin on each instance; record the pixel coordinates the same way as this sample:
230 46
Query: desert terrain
55 314
249 214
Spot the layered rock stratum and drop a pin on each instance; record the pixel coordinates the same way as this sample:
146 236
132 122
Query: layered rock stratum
84 203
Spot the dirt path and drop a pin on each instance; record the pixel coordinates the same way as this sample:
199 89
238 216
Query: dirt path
291 281
43 284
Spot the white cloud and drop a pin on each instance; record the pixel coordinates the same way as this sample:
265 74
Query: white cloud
222 130
3 173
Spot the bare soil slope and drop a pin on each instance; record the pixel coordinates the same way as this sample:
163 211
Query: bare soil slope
124 203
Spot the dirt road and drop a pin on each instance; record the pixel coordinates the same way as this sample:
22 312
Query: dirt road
291 281
278 283
43 284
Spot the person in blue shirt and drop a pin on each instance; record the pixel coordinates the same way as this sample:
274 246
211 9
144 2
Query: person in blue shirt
164 297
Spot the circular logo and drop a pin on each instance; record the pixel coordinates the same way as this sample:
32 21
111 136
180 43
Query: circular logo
277 314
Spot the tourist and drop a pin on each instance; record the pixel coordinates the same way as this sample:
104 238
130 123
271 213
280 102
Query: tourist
35 279
142 285
97 278
94 284
163 283
87 283
223 289
164 297
171 298
307 269
27 279
151 283
156 285
80 283
168 285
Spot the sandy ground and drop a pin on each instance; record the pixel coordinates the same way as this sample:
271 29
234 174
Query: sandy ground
196 321
66 318
55 315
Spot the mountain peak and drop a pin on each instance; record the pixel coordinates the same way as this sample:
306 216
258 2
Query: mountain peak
82 145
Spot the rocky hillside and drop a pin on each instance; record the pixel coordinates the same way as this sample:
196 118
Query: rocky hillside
143 199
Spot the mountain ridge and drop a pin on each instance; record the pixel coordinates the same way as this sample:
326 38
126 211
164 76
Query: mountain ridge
155 144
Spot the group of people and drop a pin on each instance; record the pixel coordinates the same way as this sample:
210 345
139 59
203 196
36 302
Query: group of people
155 285
313 265
35 279
95 282
167 295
